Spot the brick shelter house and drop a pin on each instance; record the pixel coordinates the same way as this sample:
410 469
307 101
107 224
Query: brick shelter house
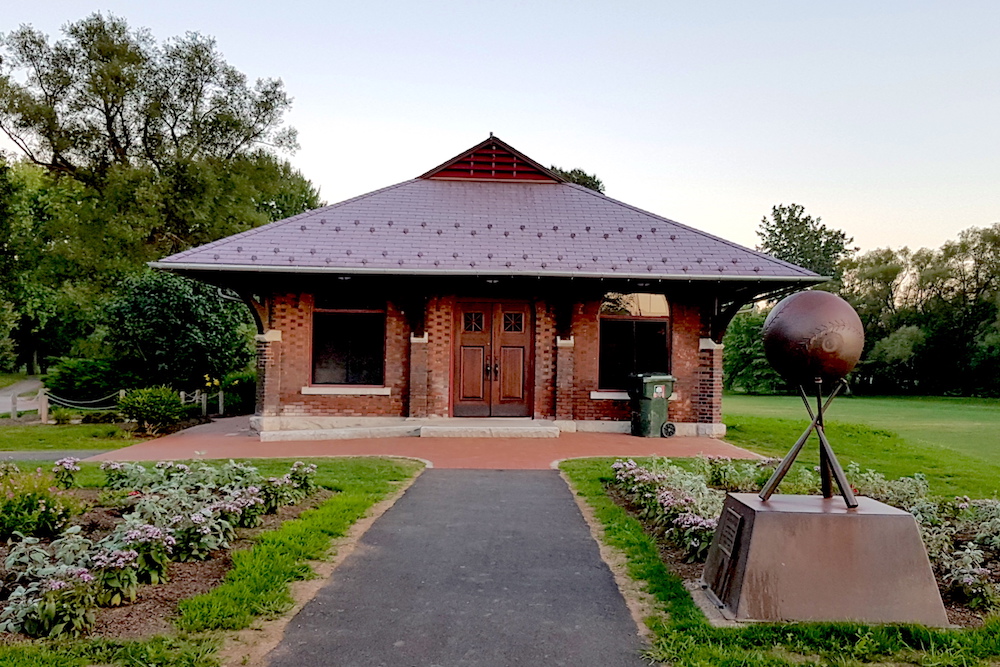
487 287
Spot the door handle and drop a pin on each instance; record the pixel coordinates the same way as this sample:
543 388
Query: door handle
487 369
496 369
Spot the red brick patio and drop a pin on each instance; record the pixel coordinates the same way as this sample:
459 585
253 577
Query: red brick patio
230 438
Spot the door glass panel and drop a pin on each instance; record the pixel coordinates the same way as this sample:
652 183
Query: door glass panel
472 322
513 322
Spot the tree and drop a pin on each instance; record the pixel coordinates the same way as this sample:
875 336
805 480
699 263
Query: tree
133 150
107 95
580 177
169 330
744 364
791 235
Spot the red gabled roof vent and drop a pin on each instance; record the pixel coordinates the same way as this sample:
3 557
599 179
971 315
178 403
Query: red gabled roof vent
493 160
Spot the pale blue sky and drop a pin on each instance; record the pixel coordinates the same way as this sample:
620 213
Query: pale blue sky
882 117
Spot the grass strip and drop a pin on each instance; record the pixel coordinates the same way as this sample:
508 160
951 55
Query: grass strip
257 584
42 437
160 651
685 639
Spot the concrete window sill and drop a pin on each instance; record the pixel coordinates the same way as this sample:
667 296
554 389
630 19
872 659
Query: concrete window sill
346 391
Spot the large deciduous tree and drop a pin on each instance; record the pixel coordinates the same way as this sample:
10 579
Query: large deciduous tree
793 236
109 95
133 149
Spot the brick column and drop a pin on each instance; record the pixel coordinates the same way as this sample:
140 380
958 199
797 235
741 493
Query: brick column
708 394
564 378
418 375
268 373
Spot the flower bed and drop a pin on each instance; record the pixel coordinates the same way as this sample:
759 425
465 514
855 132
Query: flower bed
164 515
962 536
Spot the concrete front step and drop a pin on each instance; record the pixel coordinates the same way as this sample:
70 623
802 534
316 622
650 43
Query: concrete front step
438 428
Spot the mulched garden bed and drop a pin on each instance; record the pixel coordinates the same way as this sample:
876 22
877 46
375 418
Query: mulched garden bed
155 605
673 557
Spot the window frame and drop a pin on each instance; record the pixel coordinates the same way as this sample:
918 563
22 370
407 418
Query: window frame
668 336
312 348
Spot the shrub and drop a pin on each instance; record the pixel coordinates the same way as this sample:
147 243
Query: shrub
30 504
63 416
153 408
81 379
100 417
241 392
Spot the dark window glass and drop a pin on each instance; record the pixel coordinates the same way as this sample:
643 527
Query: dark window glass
631 346
473 321
348 348
513 322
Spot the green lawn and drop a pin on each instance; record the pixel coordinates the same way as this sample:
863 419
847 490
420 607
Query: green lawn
69 436
951 440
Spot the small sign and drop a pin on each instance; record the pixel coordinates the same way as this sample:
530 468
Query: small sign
659 391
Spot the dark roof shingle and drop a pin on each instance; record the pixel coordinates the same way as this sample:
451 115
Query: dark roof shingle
427 226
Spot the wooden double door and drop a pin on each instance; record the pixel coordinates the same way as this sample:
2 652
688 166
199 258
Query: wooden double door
493 359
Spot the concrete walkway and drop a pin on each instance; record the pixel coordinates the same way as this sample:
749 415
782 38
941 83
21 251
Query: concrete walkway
231 438
470 568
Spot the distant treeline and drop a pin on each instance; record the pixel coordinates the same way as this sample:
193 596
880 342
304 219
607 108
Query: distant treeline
931 317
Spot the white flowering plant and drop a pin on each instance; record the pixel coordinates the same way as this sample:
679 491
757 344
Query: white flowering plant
65 471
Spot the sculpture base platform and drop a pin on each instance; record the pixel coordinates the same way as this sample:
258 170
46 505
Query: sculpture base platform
807 558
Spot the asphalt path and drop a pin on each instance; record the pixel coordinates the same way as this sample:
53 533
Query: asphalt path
470 568
30 385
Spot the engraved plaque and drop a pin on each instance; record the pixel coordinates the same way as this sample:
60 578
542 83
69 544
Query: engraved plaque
729 530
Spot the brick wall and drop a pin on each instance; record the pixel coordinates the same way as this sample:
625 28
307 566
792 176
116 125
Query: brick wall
686 330
545 362
292 315
439 327
285 366
698 373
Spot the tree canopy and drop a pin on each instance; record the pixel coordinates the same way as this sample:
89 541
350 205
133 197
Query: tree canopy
108 95
132 149
791 235
580 177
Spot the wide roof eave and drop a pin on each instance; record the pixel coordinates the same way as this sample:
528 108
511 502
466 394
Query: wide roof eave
251 269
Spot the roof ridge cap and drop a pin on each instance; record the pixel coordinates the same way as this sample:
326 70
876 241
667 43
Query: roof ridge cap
700 232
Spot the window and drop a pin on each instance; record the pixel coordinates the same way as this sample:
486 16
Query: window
635 335
348 346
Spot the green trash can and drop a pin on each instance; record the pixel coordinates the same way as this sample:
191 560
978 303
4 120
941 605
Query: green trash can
649 393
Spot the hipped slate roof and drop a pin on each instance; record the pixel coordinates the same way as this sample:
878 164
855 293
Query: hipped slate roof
459 220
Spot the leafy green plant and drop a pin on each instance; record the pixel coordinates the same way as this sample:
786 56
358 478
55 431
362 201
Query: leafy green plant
240 391
153 408
30 504
63 416
52 607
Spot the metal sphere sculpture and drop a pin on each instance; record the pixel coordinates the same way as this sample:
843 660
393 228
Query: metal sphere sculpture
812 335
814 338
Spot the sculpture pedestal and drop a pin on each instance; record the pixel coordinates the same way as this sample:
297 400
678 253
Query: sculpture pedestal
807 558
